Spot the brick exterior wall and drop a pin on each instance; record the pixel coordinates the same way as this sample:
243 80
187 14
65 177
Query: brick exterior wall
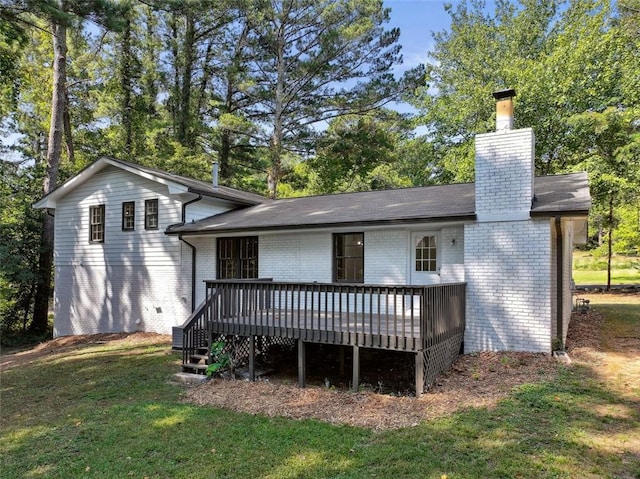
93 299
385 257
452 254
508 276
507 255
303 257
504 174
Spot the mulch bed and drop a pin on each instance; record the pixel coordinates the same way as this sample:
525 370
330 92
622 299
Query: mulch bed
476 380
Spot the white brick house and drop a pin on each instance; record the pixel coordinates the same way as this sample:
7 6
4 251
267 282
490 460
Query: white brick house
509 236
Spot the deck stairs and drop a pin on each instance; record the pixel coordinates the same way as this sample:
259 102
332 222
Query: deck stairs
198 362
193 338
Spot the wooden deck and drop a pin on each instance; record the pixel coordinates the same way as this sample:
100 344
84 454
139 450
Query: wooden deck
425 320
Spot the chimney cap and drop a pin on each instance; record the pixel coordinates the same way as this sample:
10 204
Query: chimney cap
509 93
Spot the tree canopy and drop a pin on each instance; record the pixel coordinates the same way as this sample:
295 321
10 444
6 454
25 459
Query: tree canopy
294 97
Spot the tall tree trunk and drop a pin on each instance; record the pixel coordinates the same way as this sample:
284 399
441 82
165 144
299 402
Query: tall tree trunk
230 104
56 131
68 134
125 84
275 172
225 153
175 104
150 59
185 136
610 243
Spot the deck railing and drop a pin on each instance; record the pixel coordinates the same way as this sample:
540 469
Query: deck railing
195 329
410 318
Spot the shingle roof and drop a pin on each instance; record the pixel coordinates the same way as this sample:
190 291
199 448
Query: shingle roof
561 194
237 197
567 194
197 186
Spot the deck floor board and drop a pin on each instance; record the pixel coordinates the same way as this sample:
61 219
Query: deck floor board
361 329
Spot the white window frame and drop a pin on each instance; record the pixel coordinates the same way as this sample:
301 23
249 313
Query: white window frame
424 277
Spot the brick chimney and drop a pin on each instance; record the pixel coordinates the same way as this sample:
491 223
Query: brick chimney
504 167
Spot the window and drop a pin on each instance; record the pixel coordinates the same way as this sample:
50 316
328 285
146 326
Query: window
426 254
348 257
151 214
128 215
96 224
238 258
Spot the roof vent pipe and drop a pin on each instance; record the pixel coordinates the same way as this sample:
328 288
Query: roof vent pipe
215 175
504 109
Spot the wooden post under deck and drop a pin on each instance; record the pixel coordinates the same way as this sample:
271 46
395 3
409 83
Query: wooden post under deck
301 363
252 358
356 368
419 373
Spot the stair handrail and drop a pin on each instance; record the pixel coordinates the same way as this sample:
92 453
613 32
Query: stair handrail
189 341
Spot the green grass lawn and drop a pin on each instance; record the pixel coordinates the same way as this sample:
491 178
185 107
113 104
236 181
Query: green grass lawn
590 270
618 276
105 411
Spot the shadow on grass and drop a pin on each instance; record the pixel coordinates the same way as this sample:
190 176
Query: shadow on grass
113 414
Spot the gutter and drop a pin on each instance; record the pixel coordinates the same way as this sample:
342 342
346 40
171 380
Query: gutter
226 197
193 272
555 214
312 226
559 282
193 248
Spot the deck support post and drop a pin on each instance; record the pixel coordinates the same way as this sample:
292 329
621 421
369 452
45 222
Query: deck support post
419 373
252 358
356 368
301 363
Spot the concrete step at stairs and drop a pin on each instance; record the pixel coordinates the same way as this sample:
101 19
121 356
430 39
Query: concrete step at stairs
198 368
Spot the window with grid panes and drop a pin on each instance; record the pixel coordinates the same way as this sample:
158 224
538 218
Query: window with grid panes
128 215
426 254
348 257
151 214
96 224
238 258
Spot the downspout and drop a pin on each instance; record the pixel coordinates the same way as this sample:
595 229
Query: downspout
193 272
559 283
193 251
184 208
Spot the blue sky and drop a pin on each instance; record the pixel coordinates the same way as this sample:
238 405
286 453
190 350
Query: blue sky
416 20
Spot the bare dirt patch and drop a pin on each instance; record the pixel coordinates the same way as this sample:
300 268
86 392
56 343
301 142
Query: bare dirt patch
610 348
68 343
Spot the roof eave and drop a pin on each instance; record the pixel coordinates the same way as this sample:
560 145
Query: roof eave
223 196
564 213
315 226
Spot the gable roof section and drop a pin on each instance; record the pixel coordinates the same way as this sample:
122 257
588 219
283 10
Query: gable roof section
561 194
175 183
